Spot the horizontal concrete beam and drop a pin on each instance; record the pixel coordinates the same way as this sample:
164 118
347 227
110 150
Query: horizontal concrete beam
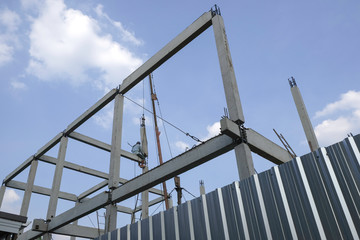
151 203
93 189
41 190
75 167
101 145
257 143
39 225
266 148
175 45
91 172
79 231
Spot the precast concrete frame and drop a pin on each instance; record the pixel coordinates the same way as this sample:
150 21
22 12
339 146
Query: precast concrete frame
234 136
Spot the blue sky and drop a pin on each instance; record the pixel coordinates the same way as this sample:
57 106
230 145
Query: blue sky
57 58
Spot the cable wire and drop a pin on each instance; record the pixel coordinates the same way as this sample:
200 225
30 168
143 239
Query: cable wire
187 134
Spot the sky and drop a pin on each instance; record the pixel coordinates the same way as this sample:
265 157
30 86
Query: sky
58 57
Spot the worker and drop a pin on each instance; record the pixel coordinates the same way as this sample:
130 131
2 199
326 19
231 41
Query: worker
136 149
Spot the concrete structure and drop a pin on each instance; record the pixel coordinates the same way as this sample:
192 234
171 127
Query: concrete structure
234 137
311 197
304 116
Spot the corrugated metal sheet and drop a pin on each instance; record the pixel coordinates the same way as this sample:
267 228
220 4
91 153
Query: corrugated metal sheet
312 197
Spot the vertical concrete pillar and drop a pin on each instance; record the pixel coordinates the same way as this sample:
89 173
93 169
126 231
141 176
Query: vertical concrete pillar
56 182
29 187
75 223
244 161
227 71
242 152
2 193
304 116
145 200
57 178
114 170
202 187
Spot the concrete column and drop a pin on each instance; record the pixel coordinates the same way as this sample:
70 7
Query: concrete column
75 223
202 188
29 187
304 116
145 200
114 170
2 193
227 71
242 152
244 161
57 179
110 218
56 182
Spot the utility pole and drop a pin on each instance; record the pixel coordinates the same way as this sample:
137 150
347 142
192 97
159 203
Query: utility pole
304 116
157 133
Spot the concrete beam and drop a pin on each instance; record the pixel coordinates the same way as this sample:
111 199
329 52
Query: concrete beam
41 190
79 231
39 225
90 171
190 159
76 167
123 209
91 111
101 145
151 203
266 148
90 141
93 189
83 209
257 143
170 49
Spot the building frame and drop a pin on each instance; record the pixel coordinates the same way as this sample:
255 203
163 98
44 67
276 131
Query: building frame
233 136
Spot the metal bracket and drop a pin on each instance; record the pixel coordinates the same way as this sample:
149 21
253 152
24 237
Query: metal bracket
215 10
40 225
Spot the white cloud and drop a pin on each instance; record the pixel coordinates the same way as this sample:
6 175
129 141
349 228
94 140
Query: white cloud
127 36
17 85
341 118
212 131
11 201
6 53
9 19
348 101
105 119
66 44
182 146
9 23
